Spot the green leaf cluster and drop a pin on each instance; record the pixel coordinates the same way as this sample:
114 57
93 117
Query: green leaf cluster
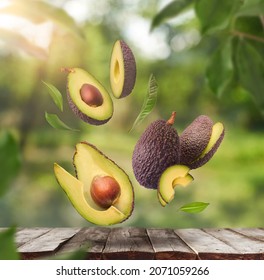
238 26
53 119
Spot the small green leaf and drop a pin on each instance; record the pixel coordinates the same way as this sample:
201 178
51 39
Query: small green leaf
194 207
214 14
55 122
250 68
55 94
171 10
220 70
8 249
10 158
149 102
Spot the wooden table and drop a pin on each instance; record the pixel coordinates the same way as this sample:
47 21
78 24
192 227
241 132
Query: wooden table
142 243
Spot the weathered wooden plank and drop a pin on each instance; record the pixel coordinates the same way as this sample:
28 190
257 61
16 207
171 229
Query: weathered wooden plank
253 233
128 243
207 246
247 247
168 246
46 244
24 235
91 239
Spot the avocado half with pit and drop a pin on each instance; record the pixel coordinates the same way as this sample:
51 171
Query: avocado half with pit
87 97
122 70
102 193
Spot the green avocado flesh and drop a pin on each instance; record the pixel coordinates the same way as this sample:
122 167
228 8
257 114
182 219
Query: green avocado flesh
170 178
89 162
195 138
94 115
218 132
122 70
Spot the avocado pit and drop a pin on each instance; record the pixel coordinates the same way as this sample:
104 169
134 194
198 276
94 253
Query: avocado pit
91 95
105 191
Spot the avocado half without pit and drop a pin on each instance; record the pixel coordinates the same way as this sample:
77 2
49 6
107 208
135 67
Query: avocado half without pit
122 70
87 97
101 192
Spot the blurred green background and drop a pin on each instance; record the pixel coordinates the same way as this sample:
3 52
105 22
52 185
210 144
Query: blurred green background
37 38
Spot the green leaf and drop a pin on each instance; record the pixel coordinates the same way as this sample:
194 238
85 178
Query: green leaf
171 10
249 26
214 14
194 207
10 159
149 102
55 122
8 249
250 68
55 94
252 7
220 70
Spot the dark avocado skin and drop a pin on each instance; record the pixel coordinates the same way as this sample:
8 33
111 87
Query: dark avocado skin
200 162
130 69
194 139
157 149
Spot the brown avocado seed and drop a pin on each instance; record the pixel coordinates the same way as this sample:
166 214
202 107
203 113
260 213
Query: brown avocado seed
91 95
105 191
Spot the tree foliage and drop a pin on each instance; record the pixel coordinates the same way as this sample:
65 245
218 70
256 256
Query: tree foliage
238 61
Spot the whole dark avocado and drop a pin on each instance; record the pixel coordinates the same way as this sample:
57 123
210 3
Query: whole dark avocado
157 149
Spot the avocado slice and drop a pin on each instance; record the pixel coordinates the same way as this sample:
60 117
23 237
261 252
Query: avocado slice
87 97
122 70
217 136
90 163
170 178
195 138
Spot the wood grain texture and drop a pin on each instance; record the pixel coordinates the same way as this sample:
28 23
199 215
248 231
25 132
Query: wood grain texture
92 240
247 247
47 244
252 233
128 243
140 243
167 245
28 234
207 246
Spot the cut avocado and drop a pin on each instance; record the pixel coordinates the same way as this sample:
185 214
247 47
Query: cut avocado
171 177
180 181
87 98
122 70
90 163
218 132
195 138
